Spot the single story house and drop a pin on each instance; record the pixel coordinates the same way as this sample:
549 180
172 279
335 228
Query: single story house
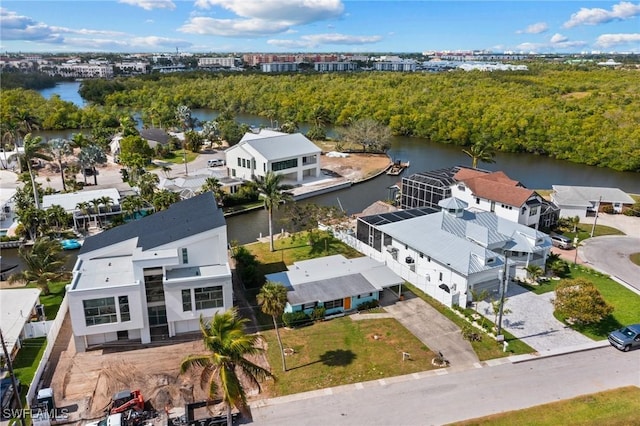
17 308
188 186
153 278
291 155
583 201
71 201
334 282
452 252
155 136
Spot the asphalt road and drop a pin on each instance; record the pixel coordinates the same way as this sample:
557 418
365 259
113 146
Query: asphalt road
610 254
434 398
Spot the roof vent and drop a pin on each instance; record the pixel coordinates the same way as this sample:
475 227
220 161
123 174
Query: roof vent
106 280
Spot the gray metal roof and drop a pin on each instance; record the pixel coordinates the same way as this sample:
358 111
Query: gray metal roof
280 146
181 220
588 195
329 289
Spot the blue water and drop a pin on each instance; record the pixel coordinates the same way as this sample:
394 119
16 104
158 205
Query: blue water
68 91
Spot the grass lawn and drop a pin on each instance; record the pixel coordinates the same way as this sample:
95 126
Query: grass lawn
487 348
615 407
178 156
626 304
584 231
296 247
342 351
53 300
28 358
635 258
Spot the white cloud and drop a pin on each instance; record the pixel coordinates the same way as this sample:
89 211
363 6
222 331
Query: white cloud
537 28
18 27
621 11
133 44
608 40
313 41
233 27
151 4
558 38
261 17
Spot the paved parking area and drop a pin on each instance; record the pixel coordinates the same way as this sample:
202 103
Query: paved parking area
532 321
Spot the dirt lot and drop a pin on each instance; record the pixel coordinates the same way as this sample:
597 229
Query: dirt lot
86 381
356 166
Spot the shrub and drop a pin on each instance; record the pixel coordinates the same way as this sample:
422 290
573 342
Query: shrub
470 334
559 268
580 300
368 305
318 313
295 319
608 209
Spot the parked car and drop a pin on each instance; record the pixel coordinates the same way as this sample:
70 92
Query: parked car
561 241
215 162
626 338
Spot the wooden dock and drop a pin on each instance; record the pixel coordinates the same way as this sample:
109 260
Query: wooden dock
397 167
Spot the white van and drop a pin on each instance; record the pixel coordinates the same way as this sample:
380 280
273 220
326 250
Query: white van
215 162
561 241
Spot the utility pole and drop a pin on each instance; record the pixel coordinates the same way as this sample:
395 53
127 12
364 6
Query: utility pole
502 292
593 228
16 392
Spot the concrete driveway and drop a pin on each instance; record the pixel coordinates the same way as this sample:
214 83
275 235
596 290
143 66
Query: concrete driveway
610 254
433 329
532 321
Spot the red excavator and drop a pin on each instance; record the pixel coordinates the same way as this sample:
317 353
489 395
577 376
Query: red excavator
126 400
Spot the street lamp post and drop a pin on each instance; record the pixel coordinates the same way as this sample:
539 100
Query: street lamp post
595 219
503 286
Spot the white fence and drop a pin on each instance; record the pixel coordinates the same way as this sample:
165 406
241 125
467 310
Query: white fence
37 329
52 335
420 281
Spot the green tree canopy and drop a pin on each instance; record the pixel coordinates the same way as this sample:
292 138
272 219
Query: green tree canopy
579 300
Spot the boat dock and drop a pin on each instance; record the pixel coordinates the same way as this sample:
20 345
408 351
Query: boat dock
397 167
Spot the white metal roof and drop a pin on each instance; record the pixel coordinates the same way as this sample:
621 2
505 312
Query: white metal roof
588 196
70 200
278 146
15 311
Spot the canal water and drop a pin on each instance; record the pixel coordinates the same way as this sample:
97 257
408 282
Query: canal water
533 171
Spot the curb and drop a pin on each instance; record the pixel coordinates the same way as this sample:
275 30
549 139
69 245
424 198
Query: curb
516 359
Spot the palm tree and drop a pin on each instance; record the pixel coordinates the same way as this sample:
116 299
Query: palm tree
164 198
183 115
107 202
534 272
147 185
57 216
43 263
289 126
575 221
34 147
222 368
272 299
132 204
477 296
213 184
84 208
89 156
60 148
480 152
270 191
96 207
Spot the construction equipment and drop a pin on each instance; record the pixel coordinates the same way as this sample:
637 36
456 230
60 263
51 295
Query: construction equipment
126 400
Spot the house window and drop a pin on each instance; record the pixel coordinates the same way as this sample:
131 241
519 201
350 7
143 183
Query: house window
362 296
186 301
286 164
428 258
524 209
332 304
244 163
185 256
311 305
100 311
440 276
208 297
461 187
477 200
125 315
533 211
239 162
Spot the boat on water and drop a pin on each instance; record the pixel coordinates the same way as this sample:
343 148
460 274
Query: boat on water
71 244
397 168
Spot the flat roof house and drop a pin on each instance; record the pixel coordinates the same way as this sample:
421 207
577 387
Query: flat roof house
451 252
17 307
334 282
152 278
291 155
71 200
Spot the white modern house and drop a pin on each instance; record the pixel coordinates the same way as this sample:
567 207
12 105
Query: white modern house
583 201
334 282
496 192
291 155
451 252
152 278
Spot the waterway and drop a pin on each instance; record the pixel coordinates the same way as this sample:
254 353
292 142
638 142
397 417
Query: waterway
533 171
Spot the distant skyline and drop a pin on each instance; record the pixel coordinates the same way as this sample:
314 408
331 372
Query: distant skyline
290 26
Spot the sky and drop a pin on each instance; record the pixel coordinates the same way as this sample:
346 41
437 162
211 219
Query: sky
290 26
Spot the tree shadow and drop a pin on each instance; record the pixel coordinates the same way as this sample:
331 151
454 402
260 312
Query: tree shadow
602 328
337 358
